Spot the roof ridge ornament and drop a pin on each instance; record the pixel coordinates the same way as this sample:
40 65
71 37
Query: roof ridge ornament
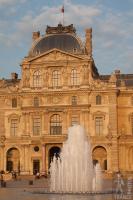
61 29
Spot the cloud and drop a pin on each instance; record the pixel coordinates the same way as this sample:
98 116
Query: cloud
10 2
112 31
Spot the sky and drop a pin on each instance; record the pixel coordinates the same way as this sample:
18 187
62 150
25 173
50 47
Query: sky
111 22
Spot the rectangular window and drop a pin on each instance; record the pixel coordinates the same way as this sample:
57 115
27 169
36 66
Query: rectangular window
14 127
56 78
14 103
75 120
55 130
36 126
74 100
36 101
99 125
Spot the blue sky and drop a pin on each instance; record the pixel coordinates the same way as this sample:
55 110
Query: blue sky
111 21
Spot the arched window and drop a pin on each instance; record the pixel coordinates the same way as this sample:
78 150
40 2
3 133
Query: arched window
14 103
98 100
36 101
55 125
74 77
37 79
99 125
56 79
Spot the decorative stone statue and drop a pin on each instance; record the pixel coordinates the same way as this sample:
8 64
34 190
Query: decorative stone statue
26 78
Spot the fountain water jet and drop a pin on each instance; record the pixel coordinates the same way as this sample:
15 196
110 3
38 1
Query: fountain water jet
73 171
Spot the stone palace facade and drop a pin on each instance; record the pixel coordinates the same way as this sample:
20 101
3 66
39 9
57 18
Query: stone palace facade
60 86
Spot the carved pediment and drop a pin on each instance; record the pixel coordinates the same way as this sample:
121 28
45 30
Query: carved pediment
55 55
99 114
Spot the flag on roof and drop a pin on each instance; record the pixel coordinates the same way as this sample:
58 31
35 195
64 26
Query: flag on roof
62 9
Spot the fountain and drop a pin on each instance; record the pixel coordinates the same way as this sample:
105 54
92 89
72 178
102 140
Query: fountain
73 171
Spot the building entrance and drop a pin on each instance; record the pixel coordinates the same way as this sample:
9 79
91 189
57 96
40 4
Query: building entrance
13 160
36 166
53 151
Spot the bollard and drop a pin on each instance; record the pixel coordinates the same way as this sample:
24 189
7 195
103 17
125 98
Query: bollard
3 183
30 182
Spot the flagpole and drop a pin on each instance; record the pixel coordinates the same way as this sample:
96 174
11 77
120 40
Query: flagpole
63 18
62 11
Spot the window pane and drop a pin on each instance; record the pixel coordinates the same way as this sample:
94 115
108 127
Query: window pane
14 102
37 79
14 127
74 77
98 100
56 78
99 125
55 125
36 101
36 126
75 120
74 100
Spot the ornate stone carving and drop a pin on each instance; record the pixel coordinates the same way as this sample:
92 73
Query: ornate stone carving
2 139
60 29
26 78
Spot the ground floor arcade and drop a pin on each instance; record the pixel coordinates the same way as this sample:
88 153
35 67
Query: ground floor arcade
28 159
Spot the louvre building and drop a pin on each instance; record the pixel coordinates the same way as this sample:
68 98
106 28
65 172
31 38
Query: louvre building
60 86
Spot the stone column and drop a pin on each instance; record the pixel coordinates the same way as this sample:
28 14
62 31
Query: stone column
24 160
113 127
3 159
43 158
27 124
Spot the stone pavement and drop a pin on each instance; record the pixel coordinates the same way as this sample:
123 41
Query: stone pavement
28 182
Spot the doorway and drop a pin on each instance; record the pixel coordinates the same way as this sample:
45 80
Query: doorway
54 151
13 160
36 166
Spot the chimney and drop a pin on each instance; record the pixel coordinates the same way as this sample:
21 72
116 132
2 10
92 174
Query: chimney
35 35
88 42
14 76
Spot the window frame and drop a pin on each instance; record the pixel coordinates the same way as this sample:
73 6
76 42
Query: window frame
36 102
74 100
14 127
99 125
98 99
55 125
14 102
75 78
56 78
36 128
37 79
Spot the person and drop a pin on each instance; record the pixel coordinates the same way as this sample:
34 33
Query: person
37 176
119 183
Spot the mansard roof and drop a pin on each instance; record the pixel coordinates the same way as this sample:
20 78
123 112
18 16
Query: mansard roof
60 37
